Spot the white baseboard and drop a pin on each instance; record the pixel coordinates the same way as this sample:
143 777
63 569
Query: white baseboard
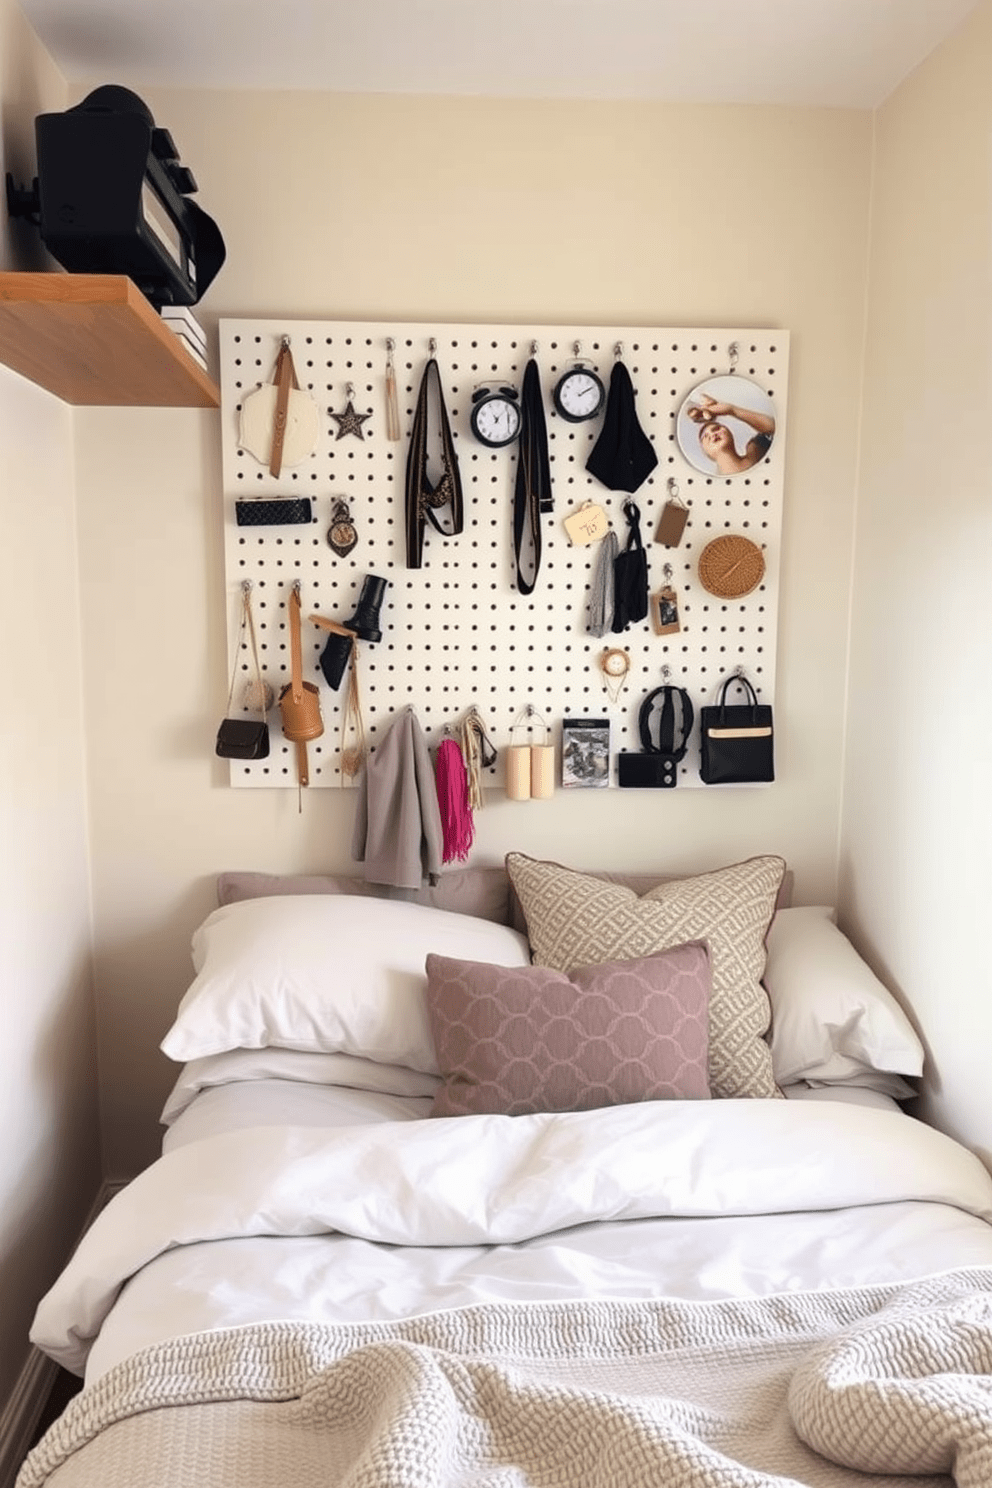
22 1412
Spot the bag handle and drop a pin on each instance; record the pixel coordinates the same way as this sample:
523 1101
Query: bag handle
296 680
285 376
740 680
247 623
295 646
666 726
633 514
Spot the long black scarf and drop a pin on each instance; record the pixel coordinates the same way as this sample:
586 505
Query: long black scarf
532 487
423 498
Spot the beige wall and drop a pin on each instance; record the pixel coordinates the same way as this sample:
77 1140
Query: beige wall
916 861
49 1147
412 208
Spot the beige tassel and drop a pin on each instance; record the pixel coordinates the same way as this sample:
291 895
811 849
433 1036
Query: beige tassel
352 756
392 404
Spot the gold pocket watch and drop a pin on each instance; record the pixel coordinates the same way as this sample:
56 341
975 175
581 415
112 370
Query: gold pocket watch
341 534
615 662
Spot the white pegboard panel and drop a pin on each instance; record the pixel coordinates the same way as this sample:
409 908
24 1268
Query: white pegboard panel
456 632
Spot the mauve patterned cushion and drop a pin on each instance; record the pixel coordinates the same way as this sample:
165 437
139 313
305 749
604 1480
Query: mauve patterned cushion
514 1040
575 919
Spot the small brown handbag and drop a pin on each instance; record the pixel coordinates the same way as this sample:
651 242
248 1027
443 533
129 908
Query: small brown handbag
299 701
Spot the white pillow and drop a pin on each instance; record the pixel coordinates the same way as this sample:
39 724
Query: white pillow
326 973
847 1095
832 1019
883 1082
240 1066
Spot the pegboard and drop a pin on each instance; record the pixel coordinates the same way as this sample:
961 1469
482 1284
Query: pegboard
456 632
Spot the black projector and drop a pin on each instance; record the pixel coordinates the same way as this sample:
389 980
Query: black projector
112 197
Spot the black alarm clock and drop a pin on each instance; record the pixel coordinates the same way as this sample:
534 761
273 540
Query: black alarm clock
579 394
496 418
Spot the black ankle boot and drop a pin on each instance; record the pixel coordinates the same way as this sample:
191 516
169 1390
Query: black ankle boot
365 624
365 621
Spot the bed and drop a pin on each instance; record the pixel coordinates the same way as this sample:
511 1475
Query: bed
537 1177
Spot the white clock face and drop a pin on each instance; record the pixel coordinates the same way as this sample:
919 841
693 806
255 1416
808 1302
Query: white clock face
580 394
615 663
497 421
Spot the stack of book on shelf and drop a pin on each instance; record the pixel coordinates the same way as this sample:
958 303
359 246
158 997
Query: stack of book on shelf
188 330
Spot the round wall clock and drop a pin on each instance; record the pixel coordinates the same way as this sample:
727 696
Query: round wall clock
496 419
579 394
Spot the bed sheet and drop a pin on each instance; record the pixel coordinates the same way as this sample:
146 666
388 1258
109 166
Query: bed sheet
282 1102
240 1105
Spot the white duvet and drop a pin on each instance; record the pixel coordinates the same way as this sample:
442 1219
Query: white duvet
718 1198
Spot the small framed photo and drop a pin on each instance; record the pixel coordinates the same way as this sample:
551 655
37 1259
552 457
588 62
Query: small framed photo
585 753
665 611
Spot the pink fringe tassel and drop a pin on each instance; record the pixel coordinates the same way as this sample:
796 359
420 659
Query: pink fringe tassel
452 797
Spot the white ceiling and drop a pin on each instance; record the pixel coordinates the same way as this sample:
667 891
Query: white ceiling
834 53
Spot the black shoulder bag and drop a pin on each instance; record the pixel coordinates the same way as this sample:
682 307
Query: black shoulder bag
657 767
737 746
630 575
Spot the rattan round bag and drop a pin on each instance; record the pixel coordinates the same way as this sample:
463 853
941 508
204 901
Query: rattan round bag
731 566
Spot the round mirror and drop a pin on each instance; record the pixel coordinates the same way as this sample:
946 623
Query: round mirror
726 425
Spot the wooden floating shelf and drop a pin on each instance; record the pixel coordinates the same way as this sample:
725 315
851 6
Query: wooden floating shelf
94 340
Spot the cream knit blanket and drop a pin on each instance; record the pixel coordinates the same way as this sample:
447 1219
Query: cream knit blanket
657 1394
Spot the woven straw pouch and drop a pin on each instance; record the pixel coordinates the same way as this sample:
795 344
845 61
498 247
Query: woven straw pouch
731 566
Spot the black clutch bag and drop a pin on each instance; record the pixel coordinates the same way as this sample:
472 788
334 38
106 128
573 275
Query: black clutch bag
737 746
243 738
657 767
279 512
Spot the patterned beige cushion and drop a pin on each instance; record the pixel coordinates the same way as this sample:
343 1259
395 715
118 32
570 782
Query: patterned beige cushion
576 920
519 1039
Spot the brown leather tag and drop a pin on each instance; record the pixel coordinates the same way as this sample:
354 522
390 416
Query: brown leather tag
671 524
